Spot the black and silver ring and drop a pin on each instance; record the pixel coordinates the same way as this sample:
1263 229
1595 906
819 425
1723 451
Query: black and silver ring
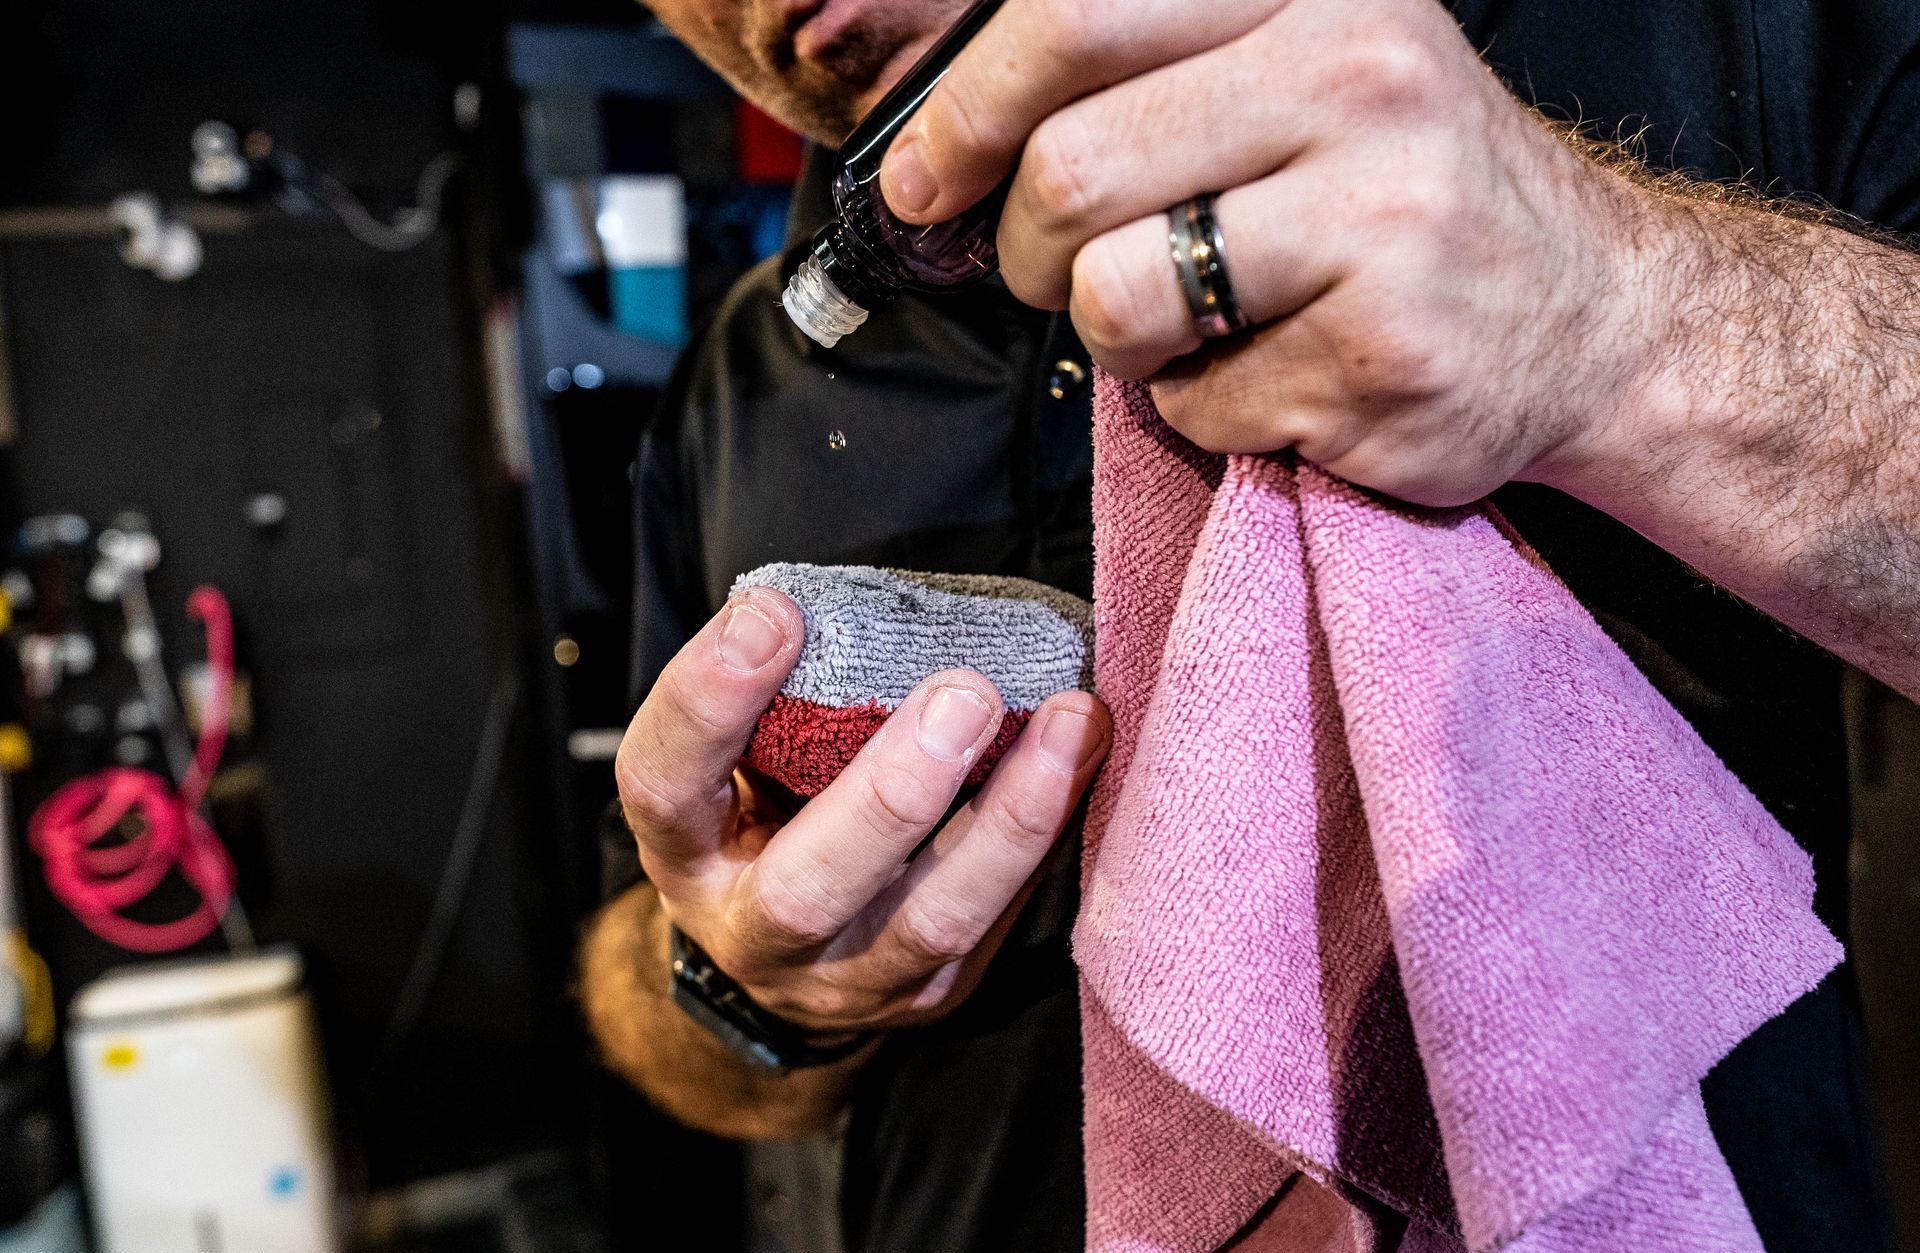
1200 258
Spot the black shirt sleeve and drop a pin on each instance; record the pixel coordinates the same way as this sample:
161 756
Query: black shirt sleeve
1839 88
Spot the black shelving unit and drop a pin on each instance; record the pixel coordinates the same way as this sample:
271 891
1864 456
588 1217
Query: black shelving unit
561 331
588 390
643 61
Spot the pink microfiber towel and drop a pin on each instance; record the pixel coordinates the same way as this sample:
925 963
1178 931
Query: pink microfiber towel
1412 914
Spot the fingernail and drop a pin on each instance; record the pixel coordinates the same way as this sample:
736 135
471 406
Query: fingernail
952 720
906 182
1069 740
749 639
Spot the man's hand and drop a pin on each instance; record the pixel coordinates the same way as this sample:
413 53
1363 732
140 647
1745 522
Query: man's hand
1446 294
1437 282
820 914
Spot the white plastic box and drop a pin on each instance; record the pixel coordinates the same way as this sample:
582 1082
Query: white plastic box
202 1109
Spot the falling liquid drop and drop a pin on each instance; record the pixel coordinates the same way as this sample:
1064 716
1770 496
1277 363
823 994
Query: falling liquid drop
837 440
832 375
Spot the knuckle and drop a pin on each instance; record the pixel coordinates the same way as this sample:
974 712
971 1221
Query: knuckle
1030 820
647 803
1386 70
692 707
965 117
934 933
899 799
781 914
1109 306
1059 170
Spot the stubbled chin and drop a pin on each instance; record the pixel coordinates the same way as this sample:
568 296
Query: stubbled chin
893 71
817 98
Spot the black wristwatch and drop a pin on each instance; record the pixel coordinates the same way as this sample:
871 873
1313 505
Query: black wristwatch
757 1036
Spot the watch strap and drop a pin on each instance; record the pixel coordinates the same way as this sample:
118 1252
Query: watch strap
755 1035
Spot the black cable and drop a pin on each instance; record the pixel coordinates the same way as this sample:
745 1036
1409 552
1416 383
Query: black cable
469 834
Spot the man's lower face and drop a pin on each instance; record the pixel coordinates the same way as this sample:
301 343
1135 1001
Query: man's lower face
817 65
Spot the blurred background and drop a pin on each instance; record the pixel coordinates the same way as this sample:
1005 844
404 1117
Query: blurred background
327 333
352 313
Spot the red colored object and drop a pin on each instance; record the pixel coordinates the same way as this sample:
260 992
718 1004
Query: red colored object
768 152
96 882
804 746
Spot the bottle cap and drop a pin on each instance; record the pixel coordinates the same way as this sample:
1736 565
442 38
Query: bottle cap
818 306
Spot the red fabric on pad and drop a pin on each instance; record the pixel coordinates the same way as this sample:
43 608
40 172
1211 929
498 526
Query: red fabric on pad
803 746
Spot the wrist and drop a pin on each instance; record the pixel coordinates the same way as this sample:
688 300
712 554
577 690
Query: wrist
1614 382
754 1034
681 1068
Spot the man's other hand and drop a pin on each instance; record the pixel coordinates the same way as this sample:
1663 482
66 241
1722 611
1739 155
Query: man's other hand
1442 291
823 914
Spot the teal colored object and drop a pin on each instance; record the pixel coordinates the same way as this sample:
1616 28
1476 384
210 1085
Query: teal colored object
650 301
54 1227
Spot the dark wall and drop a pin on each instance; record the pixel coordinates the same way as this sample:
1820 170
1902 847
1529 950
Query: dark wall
101 95
379 619
373 620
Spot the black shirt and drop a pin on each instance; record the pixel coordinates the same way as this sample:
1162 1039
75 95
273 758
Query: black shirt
933 439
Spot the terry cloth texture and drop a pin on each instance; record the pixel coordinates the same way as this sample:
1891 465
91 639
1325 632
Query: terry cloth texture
1400 877
873 635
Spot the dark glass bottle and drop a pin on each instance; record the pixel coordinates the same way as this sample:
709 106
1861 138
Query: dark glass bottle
866 256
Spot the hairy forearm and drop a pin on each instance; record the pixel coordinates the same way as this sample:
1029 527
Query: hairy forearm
678 1065
1771 442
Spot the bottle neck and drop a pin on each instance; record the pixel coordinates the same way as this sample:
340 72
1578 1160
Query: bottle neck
861 276
864 148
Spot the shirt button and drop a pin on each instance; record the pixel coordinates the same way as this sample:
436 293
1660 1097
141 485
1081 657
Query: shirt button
1067 378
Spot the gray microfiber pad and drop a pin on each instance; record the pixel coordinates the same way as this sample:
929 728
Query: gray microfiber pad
872 635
